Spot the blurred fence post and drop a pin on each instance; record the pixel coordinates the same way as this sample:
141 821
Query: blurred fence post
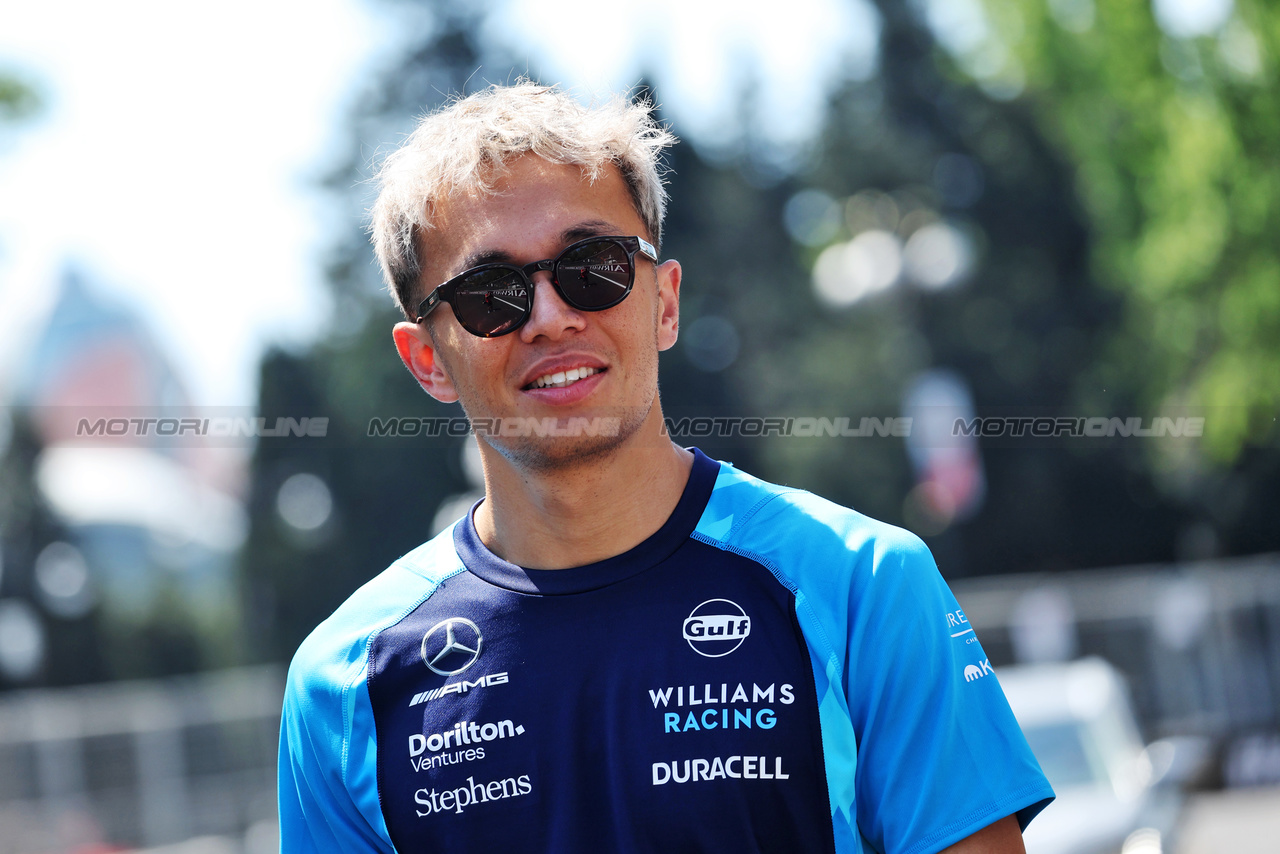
161 767
59 765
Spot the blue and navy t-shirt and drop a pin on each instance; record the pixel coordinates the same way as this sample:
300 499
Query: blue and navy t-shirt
767 672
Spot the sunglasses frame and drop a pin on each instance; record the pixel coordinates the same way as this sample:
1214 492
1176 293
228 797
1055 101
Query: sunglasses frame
445 292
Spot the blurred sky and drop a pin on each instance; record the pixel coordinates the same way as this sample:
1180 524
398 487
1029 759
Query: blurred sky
176 155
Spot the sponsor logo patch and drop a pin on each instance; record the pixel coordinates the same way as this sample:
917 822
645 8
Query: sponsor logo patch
958 623
432 801
460 687
730 767
977 671
451 646
716 628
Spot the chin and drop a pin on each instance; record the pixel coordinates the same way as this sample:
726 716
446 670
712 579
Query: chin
551 444
554 454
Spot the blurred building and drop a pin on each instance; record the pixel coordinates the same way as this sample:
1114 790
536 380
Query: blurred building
121 529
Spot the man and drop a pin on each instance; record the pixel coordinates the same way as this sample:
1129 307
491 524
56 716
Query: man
626 646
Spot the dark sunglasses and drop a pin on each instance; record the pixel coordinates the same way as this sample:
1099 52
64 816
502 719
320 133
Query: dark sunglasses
494 299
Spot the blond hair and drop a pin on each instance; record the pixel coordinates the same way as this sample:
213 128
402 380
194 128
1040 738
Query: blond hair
464 147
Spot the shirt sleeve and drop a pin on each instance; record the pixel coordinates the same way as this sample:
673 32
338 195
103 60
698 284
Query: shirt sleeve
939 755
327 785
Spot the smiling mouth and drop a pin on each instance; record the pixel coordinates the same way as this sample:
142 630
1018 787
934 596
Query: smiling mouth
562 379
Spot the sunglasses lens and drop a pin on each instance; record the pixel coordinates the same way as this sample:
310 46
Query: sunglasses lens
492 301
594 275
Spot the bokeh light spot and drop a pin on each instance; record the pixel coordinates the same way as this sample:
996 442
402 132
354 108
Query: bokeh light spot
848 272
304 501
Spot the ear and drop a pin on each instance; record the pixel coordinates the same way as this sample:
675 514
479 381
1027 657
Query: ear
418 352
668 273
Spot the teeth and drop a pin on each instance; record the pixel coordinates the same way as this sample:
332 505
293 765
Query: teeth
560 379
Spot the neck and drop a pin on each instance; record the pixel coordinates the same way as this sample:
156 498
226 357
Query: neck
572 516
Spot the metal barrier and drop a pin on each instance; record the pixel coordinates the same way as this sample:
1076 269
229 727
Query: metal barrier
1199 643
140 764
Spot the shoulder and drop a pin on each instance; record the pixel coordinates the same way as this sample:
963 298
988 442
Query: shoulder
847 571
327 732
794 529
335 655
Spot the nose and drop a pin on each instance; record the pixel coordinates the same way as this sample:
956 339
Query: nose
551 317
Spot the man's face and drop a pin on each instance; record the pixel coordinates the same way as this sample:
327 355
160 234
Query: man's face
539 209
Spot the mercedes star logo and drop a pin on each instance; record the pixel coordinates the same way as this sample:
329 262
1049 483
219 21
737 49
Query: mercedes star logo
451 646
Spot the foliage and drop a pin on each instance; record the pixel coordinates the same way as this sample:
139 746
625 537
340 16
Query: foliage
18 99
1172 139
1020 330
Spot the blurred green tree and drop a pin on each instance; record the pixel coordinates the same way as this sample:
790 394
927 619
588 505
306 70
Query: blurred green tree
1170 121
18 97
1047 323
919 147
